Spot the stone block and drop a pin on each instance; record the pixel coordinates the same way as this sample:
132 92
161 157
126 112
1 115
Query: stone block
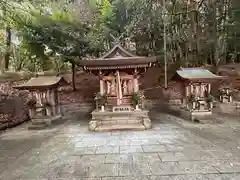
117 127
154 148
37 126
147 123
107 150
92 125
127 169
120 120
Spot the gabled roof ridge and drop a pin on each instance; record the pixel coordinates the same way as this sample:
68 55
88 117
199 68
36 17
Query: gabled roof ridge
118 46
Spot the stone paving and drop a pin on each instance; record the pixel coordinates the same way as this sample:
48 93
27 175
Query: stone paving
173 150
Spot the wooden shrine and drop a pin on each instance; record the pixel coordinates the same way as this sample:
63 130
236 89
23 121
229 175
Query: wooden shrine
43 104
196 89
120 103
226 95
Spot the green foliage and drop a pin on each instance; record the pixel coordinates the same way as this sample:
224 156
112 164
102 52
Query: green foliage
209 98
101 99
191 98
196 33
136 98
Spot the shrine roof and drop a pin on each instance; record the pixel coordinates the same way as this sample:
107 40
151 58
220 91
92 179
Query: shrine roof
197 73
118 57
42 82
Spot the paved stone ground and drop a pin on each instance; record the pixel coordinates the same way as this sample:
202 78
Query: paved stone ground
173 150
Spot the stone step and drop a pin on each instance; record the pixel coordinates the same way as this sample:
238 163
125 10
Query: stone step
207 119
38 122
119 118
120 122
40 118
77 111
77 108
37 126
134 127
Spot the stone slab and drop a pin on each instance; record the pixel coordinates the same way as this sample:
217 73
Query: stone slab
203 117
37 126
169 151
43 122
98 115
107 128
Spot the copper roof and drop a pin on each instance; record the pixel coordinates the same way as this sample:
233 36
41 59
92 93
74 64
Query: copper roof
197 74
118 58
42 82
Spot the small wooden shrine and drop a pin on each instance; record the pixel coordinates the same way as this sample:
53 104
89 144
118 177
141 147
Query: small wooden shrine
119 104
196 89
226 94
43 104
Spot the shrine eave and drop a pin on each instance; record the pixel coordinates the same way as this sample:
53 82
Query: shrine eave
119 63
42 83
197 74
117 67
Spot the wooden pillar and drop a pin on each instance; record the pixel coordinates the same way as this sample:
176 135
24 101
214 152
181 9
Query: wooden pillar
47 99
108 87
197 89
202 88
101 87
135 84
209 88
113 87
185 94
125 87
191 88
130 86
40 98
186 90
56 102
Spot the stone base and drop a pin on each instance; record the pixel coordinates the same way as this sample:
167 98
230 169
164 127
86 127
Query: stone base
37 126
230 108
203 117
42 122
110 121
106 128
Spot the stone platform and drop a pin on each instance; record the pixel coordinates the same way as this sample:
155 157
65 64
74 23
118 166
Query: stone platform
42 122
110 121
230 108
202 116
173 149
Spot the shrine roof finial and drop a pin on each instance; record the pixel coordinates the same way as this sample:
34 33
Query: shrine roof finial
117 40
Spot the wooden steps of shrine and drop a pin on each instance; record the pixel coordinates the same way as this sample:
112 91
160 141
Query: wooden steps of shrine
120 127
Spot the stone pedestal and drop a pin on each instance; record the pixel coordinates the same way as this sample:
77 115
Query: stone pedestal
42 122
110 121
230 108
200 116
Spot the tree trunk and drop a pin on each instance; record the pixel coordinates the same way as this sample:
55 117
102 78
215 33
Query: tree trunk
199 59
74 76
8 47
